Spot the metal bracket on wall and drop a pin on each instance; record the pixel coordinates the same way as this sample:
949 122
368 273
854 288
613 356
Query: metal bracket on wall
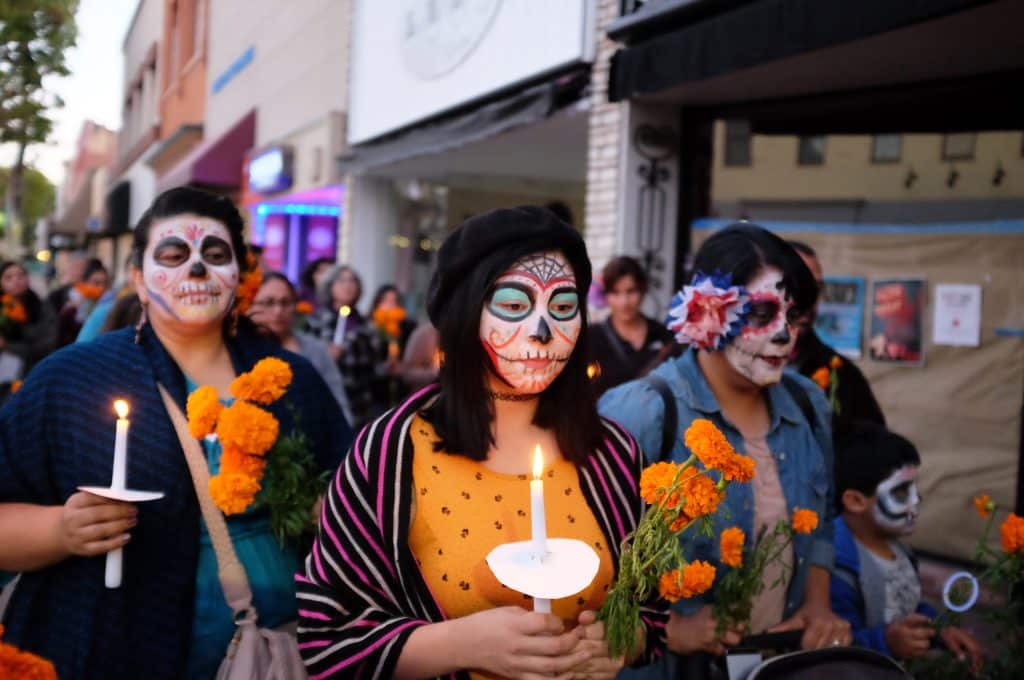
656 145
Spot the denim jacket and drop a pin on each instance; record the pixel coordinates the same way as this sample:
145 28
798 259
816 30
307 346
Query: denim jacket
804 461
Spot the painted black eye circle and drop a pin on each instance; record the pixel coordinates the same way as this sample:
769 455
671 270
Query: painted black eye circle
564 305
511 304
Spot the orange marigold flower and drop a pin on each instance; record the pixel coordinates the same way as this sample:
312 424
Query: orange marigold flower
679 523
731 544
233 493
248 285
15 663
13 309
248 428
265 383
702 496
389 320
804 521
203 408
1011 534
836 362
708 443
823 377
655 481
16 385
234 461
303 307
984 505
739 468
670 585
697 578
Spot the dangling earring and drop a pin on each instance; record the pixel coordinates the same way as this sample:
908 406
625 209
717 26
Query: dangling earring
140 324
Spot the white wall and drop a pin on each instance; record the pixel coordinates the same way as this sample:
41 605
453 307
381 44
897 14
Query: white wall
142 180
144 32
369 218
297 74
413 59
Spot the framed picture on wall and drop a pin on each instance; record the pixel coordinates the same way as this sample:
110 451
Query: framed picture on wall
841 313
897 324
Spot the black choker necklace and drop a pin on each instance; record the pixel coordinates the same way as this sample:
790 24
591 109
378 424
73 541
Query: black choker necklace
500 396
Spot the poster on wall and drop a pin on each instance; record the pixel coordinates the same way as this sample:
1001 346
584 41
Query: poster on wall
840 314
957 315
897 324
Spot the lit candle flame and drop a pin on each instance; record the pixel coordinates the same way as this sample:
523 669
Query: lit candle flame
121 406
538 462
593 370
344 311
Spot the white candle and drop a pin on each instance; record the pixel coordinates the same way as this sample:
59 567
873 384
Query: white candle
339 330
115 558
118 477
538 524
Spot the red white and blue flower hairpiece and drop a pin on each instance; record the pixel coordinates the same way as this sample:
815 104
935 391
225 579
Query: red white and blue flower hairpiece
709 312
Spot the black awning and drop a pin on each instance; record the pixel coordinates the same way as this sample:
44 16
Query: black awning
470 124
958 105
119 209
757 33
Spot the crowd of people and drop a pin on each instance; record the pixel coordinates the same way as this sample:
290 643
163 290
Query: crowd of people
417 433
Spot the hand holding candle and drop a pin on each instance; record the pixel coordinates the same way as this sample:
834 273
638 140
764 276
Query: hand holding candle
339 330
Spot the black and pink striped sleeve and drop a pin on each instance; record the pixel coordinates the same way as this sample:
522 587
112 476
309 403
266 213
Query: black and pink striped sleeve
352 623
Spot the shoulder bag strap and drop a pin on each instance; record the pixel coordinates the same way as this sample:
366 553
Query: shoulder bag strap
670 423
233 579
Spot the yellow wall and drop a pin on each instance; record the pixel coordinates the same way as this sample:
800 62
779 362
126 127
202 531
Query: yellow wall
848 172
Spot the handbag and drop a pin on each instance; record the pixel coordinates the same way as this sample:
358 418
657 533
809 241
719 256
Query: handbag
254 653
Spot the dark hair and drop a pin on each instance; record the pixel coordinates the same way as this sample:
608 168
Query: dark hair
743 250
802 248
306 279
472 258
325 295
185 201
382 291
867 453
562 211
278 276
31 301
126 311
91 267
621 267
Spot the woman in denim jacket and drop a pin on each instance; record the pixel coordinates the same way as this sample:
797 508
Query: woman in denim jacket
737 318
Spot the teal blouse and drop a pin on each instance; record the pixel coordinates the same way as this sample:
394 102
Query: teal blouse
270 568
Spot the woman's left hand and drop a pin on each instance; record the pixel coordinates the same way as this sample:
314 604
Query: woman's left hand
600 665
821 627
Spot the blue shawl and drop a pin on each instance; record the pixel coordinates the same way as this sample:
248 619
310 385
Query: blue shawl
58 433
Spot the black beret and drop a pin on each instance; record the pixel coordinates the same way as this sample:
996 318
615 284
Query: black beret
514 232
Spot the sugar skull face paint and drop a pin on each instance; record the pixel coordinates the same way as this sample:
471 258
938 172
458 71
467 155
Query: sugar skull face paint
760 351
898 501
531 321
189 270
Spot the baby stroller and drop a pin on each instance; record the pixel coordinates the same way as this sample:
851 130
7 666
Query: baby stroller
746 662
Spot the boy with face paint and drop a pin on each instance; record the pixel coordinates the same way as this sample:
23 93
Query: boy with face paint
875 585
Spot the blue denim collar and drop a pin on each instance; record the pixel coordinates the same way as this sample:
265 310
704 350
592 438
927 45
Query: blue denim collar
699 397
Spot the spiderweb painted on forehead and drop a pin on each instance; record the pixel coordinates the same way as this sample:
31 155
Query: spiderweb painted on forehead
544 267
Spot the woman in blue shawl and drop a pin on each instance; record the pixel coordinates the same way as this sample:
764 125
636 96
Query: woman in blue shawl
169 618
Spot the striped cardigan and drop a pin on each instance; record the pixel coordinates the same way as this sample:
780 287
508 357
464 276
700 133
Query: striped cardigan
362 593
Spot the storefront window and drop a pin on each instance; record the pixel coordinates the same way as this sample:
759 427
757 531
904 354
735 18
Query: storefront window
958 147
811 150
737 143
886 148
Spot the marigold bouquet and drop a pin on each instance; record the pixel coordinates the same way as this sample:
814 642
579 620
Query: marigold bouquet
679 496
254 457
827 378
734 597
12 315
15 663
